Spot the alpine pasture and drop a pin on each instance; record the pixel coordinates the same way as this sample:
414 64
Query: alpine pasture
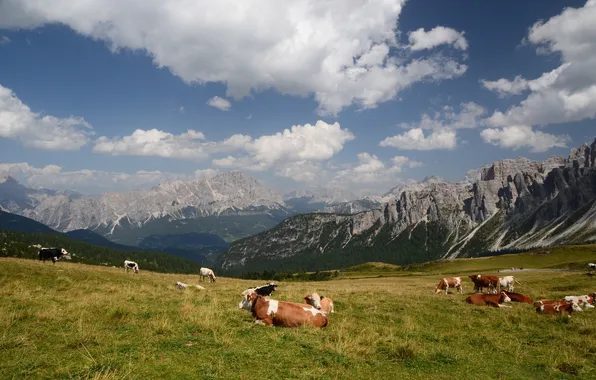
71 321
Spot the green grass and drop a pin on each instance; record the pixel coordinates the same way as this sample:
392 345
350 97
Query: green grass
70 321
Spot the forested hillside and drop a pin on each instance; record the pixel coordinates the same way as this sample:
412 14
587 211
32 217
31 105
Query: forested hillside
19 244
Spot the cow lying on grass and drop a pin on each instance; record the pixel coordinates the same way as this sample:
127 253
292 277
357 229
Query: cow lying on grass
322 303
270 312
557 308
516 297
493 300
445 283
585 301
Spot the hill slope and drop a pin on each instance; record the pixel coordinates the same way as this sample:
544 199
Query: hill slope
511 204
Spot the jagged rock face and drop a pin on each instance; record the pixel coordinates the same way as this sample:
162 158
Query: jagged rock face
227 194
511 204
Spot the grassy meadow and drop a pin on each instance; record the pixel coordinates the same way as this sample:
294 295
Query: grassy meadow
71 321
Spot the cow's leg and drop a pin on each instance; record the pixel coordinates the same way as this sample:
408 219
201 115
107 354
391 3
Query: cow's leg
265 322
447 289
54 260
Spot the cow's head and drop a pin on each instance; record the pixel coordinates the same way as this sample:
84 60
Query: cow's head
247 298
575 306
505 297
65 254
314 300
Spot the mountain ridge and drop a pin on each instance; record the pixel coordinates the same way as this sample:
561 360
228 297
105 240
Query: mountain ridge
516 203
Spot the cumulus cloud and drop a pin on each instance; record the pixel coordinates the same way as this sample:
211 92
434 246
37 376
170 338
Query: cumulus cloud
440 35
567 93
34 130
523 136
92 181
415 139
190 145
337 51
370 173
4 40
219 103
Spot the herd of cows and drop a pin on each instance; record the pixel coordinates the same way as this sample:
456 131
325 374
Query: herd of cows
315 309
496 297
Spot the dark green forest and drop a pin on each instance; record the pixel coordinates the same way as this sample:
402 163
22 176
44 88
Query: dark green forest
18 244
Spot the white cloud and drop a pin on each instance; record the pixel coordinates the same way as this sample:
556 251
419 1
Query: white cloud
567 93
92 181
4 40
337 51
249 117
469 116
415 139
190 145
522 136
403 161
34 130
181 109
219 103
439 35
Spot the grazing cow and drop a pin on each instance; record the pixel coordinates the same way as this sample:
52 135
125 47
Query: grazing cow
270 312
325 304
482 281
265 290
516 297
53 253
206 272
507 282
592 266
131 265
584 301
557 308
493 300
445 283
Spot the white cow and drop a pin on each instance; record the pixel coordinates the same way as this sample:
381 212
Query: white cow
131 265
206 272
507 282
592 266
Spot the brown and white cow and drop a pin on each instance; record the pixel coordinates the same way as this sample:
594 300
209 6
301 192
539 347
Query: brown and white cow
482 281
445 283
493 300
280 313
325 304
556 308
517 297
585 301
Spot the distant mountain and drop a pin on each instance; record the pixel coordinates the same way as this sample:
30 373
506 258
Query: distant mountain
230 205
316 198
13 222
511 204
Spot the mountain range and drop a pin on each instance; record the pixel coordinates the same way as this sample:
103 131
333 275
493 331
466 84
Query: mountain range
511 204
187 214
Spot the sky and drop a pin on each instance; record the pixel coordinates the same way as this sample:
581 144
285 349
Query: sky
113 95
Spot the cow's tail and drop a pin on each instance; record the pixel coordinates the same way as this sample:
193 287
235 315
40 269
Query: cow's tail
517 282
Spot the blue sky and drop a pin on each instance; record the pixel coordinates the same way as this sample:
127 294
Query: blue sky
102 97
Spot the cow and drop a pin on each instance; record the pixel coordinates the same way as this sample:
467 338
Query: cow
585 301
270 312
325 304
493 300
265 290
206 272
557 308
131 265
507 282
447 282
516 297
181 285
592 266
53 253
482 281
